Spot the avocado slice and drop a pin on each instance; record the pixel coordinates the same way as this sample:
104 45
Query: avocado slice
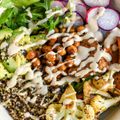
3 72
36 38
10 65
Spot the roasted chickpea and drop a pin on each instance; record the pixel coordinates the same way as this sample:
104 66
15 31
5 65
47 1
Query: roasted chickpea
63 30
80 28
50 57
70 62
77 44
46 48
31 54
71 49
103 64
62 67
61 51
36 63
59 76
117 80
72 70
72 29
98 83
55 70
118 42
52 41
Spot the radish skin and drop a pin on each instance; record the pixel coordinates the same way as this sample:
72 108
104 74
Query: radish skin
79 20
92 12
108 20
81 9
94 3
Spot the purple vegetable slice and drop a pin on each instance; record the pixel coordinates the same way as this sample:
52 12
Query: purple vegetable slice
57 4
109 20
81 9
94 3
79 20
91 13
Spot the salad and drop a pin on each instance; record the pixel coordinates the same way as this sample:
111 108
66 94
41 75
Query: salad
59 59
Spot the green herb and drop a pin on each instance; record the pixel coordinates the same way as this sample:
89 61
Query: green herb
21 3
5 16
44 4
51 23
78 86
6 4
15 14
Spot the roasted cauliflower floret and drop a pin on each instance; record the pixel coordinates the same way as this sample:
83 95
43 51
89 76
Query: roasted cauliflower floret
99 83
51 112
100 104
89 89
88 113
68 94
70 108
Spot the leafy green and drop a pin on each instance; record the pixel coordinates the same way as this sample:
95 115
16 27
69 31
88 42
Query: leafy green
4 17
44 4
6 4
21 3
51 23
15 15
78 86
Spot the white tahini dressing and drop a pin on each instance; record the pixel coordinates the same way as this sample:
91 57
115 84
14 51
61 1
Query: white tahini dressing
111 37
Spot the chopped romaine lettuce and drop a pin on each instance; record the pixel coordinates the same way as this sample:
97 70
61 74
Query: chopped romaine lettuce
21 3
6 4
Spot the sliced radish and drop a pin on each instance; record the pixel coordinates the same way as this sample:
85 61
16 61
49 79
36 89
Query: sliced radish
79 2
92 12
79 20
81 9
109 20
94 3
64 2
57 4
